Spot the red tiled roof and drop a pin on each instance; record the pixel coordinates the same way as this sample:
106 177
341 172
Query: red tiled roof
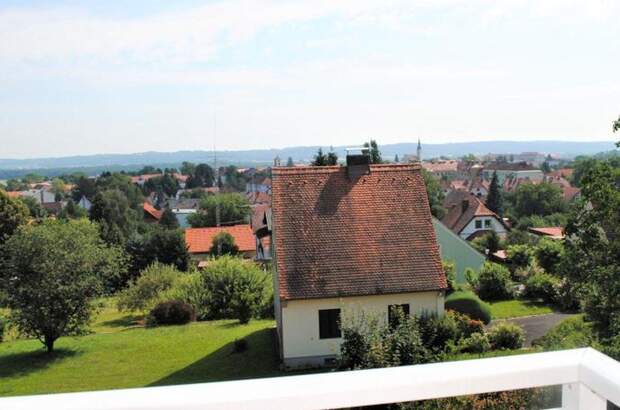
441 166
556 232
200 240
259 197
570 192
152 211
340 237
14 194
459 215
258 216
144 177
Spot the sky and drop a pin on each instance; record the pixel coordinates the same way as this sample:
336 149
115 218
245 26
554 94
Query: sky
101 76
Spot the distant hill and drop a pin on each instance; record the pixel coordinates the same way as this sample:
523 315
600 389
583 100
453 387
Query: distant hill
94 164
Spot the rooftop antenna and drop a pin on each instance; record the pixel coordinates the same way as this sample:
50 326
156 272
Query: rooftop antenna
217 179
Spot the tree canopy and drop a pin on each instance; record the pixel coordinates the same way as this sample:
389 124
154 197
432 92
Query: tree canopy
593 251
494 198
320 159
51 274
224 244
234 209
112 211
435 194
375 154
538 199
13 213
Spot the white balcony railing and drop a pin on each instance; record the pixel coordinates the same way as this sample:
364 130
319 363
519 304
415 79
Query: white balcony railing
589 380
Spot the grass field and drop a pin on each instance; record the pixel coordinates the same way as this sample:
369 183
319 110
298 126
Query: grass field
516 308
122 354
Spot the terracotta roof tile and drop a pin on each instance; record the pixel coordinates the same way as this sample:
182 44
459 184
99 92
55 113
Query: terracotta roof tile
555 232
200 240
152 211
337 237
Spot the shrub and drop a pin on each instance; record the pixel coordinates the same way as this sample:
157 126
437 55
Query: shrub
542 286
173 312
226 244
505 335
450 270
476 343
466 325
148 289
525 272
235 288
190 289
240 345
571 333
469 304
438 333
3 326
566 295
494 282
549 254
471 276
519 255
369 342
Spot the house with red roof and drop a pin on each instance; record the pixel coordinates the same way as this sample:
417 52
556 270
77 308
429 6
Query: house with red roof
552 232
468 217
200 240
355 238
151 214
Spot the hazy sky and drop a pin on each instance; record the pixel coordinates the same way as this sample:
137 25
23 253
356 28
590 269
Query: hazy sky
79 77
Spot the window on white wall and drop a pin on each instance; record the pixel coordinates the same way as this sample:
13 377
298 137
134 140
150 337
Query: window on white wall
478 224
487 223
329 323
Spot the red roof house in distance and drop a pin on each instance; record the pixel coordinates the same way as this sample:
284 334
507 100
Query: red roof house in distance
151 214
200 240
468 217
355 237
552 232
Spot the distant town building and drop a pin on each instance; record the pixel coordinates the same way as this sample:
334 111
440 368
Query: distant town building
468 217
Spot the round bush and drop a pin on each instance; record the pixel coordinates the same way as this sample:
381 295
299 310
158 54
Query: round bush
494 282
465 324
476 343
173 312
3 325
470 305
542 286
506 335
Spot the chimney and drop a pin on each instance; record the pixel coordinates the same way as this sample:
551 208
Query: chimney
358 162
464 205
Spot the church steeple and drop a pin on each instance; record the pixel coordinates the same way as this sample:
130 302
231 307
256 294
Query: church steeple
419 151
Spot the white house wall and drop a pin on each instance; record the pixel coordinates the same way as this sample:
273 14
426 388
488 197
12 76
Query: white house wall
300 319
471 226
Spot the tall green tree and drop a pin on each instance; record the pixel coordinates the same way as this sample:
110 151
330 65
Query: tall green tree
320 159
435 194
538 199
289 162
592 247
616 128
332 158
166 184
13 213
494 198
375 153
234 209
112 211
203 176
224 244
168 219
52 273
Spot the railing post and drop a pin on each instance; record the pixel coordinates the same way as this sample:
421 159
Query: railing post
577 396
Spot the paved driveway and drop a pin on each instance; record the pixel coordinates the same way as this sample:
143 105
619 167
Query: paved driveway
536 326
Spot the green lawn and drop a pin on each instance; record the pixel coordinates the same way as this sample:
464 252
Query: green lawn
121 354
515 308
